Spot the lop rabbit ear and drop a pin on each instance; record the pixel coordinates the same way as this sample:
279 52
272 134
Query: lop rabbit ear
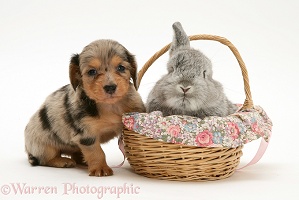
180 38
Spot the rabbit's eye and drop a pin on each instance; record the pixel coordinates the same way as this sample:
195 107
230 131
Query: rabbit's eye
204 73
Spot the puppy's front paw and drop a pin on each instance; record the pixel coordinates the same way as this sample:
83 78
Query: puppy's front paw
102 170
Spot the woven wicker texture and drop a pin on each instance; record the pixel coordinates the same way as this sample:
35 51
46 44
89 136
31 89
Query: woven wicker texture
155 159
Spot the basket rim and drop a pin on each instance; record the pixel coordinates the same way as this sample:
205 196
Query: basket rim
245 123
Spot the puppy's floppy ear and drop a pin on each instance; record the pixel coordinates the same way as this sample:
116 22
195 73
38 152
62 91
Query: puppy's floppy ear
133 69
74 71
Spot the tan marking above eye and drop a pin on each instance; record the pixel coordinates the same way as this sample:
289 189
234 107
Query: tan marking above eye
95 63
116 60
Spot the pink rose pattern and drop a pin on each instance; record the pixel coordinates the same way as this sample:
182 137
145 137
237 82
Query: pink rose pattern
174 130
129 122
204 139
231 131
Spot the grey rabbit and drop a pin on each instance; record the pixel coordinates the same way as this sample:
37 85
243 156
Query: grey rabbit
188 88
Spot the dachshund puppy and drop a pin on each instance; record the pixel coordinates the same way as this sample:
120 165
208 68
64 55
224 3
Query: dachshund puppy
78 117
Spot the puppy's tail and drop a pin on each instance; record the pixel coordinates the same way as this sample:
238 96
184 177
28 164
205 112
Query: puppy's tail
33 160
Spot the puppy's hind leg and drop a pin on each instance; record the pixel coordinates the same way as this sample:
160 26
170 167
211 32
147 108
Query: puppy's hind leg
51 156
33 160
61 162
56 160
78 158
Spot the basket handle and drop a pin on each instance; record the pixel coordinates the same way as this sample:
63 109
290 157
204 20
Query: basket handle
248 103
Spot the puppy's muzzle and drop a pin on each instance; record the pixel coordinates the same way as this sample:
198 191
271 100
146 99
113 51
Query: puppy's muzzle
110 89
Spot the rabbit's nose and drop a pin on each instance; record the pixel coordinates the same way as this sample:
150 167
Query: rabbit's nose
185 89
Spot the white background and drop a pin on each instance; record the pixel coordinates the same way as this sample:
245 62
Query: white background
37 39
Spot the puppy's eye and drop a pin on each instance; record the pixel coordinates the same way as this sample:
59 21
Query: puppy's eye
120 68
92 72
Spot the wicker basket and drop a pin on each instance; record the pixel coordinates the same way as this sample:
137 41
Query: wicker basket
155 159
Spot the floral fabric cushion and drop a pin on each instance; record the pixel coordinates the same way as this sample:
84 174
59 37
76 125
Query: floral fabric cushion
231 131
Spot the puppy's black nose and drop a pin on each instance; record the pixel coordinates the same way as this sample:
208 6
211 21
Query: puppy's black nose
110 89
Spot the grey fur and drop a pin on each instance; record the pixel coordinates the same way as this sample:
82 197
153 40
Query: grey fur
189 70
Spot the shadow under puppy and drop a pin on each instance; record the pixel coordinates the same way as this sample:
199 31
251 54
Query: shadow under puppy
78 117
